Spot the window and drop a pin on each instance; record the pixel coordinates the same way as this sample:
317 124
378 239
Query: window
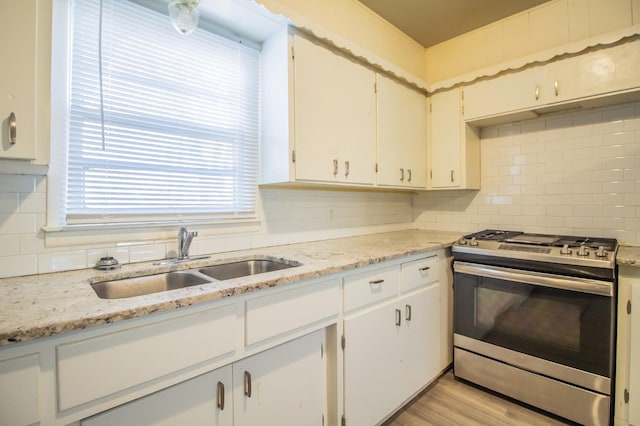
160 127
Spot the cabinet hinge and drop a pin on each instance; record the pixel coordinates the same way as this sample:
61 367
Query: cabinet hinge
293 52
293 156
463 110
343 342
629 307
375 87
431 174
323 419
626 396
376 167
430 107
344 421
321 350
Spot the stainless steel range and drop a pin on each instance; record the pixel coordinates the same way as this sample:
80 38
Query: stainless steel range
534 319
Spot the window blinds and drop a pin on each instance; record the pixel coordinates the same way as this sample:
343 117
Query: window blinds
161 125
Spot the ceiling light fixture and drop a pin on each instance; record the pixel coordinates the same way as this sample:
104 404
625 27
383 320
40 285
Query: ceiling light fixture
184 15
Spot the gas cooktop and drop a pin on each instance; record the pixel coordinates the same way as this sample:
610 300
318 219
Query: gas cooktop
562 249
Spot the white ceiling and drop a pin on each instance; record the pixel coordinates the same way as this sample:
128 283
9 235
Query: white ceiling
431 21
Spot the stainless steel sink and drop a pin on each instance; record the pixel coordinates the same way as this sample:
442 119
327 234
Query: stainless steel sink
139 286
244 268
130 287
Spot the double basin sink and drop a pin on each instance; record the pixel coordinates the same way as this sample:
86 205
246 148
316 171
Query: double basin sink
139 286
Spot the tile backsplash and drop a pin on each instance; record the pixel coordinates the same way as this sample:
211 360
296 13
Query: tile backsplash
289 216
575 173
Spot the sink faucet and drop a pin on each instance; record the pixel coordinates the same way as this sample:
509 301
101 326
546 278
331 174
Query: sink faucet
184 241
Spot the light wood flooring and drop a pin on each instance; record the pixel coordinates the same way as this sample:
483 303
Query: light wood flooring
452 402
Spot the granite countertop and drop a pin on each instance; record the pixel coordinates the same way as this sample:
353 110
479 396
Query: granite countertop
37 306
628 256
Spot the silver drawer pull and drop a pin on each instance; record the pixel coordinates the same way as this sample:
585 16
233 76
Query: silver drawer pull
409 171
407 312
375 282
335 167
401 174
346 169
12 128
425 269
247 384
220 396
398 317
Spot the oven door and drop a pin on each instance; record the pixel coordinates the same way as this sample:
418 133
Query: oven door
566 322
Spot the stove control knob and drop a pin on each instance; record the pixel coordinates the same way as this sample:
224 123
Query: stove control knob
473 242
565 249
601 252
583 251
462 241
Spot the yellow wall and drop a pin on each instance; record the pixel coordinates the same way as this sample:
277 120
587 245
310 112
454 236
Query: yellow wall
358 24
549 25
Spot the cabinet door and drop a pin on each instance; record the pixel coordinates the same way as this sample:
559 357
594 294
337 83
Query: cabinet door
18 28
446 137
595 73
420 339
371 365
334 116
203 400
19 390
282 386
513 91
634 356
402 135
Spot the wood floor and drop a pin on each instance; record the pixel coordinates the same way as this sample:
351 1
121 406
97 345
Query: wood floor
452 402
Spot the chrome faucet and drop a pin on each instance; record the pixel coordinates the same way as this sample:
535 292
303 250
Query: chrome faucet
184 241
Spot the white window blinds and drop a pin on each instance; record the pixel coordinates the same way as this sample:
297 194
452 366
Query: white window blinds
161 126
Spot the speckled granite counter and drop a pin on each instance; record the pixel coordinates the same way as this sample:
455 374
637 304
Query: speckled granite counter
44 305
628 256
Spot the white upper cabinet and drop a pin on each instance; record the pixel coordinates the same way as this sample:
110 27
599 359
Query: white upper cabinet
515 91
402 135
23 28
318 114
454 147
334 118
599 77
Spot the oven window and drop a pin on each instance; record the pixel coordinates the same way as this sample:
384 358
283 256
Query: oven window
545 319
570 328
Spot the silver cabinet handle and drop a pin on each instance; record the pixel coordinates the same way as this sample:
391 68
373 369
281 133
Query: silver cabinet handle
12 128
335 167
401 175
247 384
555 87
346 169
407 312
376 282
451 175
409 171
537 92
425 269
220 396
398 317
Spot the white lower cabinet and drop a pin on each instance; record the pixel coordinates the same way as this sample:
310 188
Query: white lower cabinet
284 385
392 349
203 400
627 403
19 390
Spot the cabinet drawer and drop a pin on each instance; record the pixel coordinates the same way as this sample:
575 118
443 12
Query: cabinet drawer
418 273
103 365
370 287
271 315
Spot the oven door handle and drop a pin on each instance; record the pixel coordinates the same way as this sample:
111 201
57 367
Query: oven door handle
583 285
